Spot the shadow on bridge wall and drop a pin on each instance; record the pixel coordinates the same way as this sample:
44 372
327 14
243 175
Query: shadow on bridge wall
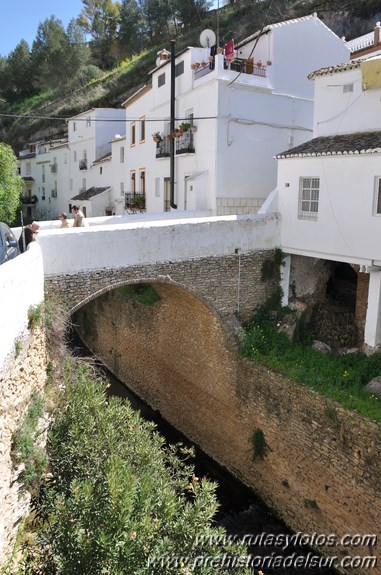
178 356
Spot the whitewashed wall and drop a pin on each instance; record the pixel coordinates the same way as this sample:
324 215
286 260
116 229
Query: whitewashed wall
346 228
21 286
80 249
339 112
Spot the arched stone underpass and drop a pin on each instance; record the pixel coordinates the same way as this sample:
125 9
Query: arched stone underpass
178 356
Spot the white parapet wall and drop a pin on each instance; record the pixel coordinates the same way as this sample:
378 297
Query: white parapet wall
21 286
74 250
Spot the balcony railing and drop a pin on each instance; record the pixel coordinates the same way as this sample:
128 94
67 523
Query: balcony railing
163 148
246 66
134 200
29 200
53 168
83 164
184 144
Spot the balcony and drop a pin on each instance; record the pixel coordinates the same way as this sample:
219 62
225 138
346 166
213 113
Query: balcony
163 148
134 201
184 144
83 164
241 70
29 200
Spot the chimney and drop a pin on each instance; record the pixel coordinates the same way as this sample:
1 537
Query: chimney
377 38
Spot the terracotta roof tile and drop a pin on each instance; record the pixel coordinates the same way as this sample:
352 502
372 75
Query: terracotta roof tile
355 143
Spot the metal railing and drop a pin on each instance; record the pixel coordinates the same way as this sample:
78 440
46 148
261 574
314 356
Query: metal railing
83 164
134 200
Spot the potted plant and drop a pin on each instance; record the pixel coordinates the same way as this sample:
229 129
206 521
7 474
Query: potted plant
184 126
156 137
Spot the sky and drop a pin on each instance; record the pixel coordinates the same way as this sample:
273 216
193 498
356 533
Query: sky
20 19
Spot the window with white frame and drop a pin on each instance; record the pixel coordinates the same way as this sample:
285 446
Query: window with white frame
377 196
133 134
88 122
122 188
122 155
308 198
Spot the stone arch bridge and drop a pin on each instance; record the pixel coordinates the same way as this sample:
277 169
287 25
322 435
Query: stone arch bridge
218 260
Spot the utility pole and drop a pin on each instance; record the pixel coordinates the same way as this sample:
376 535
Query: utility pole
172 128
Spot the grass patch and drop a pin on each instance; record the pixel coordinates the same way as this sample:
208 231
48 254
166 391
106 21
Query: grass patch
143 293
340 378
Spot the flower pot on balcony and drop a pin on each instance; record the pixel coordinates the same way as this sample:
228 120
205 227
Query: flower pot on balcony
156 139
193 128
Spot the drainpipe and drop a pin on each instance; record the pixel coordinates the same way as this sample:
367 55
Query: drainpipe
172 128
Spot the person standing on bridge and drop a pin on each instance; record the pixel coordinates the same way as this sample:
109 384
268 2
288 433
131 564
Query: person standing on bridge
28 235
79 217
64 221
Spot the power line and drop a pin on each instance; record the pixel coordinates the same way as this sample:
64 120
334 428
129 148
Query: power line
64 119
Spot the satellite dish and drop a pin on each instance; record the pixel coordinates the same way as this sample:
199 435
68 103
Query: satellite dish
207 38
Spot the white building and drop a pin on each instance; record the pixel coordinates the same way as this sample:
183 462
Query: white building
90 134
329 195
245 111
44 168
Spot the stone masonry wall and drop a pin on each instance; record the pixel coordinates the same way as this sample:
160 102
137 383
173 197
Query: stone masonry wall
231 283
323 470
24 374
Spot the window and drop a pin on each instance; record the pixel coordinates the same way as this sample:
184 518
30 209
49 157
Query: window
377 196
179 68
28 169
43 174
133 134
122 188
43 194
308 198
74 127
100 170
161 80
121 155
142 130
347 88
88 122
75 156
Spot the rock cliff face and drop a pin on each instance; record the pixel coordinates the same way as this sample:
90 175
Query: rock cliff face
321 469
24 374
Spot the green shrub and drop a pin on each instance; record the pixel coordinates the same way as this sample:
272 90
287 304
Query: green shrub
119 499
24 446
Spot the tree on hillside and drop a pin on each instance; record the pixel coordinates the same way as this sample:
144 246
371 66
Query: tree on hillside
11 184
190 11
16 75
133 34
56 55
100 19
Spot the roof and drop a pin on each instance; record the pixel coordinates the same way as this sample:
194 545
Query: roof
351 65
282 24
343 144
103 158
90 193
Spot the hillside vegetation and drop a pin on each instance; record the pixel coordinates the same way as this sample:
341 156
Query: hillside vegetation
42 115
